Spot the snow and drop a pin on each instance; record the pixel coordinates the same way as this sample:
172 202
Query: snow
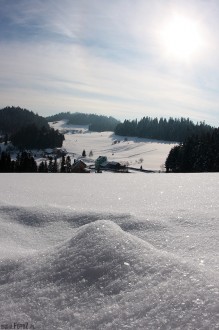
65 128
151 154
109 251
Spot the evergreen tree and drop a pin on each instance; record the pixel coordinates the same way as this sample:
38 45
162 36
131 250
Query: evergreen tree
32 137
95 122
63 164
6 139
41 167
199 153
45 167
162 129
13 119
50 166
55 166
5 162
68 164
25 162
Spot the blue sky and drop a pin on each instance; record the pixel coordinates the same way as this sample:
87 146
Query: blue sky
111 57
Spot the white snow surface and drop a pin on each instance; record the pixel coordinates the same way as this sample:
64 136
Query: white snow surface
109 251
132 151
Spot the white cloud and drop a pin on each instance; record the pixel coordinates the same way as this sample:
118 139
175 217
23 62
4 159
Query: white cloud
110 62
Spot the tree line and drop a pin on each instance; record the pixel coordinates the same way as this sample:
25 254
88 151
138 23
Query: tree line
27 130
12 119
199 153
15 119
162 129
97 123
32 137
25 163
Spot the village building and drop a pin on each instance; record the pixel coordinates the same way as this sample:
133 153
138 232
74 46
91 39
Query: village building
100 160
59 152
79 167
113 166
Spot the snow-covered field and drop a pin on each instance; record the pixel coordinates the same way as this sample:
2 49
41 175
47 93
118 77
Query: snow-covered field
135 152
109 251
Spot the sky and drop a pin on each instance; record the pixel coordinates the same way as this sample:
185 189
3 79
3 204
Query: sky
120 58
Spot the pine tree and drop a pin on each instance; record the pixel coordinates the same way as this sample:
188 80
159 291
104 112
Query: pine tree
41 168
63 165
55 166
5 162
199 153
68 164
50 166
45 167
25 163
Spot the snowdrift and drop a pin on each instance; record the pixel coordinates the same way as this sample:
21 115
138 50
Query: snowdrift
105 278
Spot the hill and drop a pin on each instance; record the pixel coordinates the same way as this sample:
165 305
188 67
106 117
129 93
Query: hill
96 123
12 119
27 130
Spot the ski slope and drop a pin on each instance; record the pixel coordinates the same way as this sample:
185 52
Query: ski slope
109 251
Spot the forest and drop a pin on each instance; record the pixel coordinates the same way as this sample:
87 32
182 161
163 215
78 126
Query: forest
176 130
97 123
12 119
196 154
25 163
27 130
32 137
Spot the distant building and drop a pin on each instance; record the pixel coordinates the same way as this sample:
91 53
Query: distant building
79 167
59 152
100 160
113 166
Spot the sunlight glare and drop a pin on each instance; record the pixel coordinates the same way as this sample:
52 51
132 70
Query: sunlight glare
182 38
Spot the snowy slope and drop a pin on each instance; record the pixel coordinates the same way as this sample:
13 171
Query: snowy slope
151 154
111 251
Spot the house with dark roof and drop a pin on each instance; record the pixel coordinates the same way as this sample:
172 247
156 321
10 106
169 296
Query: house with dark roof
113 166
79 167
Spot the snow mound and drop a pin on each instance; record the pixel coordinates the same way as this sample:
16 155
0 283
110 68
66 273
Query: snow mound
84 282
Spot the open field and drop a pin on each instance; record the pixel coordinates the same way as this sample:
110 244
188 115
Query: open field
151 154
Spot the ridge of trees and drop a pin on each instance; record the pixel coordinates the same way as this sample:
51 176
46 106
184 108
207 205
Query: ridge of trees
196 154
33 137
172 129
97 123
12 119
25 163
27 130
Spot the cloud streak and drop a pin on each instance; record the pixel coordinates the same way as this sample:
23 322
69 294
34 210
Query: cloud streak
103 57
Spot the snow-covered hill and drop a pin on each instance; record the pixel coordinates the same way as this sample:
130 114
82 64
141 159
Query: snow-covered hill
151 154
112 251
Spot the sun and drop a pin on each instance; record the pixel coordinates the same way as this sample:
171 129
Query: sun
182 38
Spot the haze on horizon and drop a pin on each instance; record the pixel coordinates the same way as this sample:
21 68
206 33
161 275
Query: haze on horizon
126 59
